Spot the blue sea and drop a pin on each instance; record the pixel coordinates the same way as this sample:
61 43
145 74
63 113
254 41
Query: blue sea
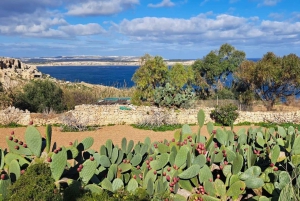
117 76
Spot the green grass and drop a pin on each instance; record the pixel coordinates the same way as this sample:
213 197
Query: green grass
159 128
274 125
245 123
11 125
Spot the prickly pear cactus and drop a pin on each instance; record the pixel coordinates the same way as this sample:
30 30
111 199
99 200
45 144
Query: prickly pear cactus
58 163
48 137
88 170
33 140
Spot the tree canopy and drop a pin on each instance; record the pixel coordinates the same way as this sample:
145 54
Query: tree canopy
217 65
152 73
272 77
180 75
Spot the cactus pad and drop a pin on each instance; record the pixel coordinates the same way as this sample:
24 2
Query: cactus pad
117 184
14 170
33 140
58 164
88 170
132 185
190 172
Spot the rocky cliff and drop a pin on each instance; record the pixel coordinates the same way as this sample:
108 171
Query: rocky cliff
14 68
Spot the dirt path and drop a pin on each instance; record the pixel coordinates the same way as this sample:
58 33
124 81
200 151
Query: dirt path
115 133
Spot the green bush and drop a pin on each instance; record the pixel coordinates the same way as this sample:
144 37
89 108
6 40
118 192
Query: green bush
225 115
40 95
223 94
169 96
35 184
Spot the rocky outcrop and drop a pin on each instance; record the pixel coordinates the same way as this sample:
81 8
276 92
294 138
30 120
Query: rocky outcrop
14 68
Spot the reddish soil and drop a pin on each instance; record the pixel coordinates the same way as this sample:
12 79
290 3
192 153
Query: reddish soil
115 133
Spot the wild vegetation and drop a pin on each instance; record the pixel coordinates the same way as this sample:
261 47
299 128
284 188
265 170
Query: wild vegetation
221 74
253 164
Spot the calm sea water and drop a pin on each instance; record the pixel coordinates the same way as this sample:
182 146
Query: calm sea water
117 76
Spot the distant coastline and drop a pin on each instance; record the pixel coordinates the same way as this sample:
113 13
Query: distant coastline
103 63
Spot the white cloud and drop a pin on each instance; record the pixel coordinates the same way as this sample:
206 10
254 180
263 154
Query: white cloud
276 16
100 8
39 24
82 29
211 30
164 3
269 3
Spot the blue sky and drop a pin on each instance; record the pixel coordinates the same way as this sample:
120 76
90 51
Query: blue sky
184 29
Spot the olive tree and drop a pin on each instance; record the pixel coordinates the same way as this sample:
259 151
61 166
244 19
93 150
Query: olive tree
216 66
152 73
272 77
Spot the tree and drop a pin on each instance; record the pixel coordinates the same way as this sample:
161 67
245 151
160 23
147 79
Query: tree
152 73
180 75
216 66
39 95
272 77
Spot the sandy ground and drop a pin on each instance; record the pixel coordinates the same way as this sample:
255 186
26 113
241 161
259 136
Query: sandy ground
115 133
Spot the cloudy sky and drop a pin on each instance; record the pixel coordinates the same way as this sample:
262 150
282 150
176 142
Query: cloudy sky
185 29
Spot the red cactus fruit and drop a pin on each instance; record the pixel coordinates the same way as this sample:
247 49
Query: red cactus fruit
3 176
22 171
151 159
49 160
154 172
59 149
92 159
78 169
20 143
55 151
138 167
272 165
16 140
12 132
10 138
134 176
168 169
31 122
80 166
70 143
25 145
17 147
275 168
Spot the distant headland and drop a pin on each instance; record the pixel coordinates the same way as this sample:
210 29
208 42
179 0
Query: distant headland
94 61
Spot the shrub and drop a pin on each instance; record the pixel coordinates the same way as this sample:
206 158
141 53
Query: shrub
169 96
78 96
223 93
39 95
225 115
35 184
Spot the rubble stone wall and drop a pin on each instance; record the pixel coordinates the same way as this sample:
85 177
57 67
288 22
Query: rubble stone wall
116 114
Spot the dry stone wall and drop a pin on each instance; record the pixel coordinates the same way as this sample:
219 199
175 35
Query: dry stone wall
113 114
